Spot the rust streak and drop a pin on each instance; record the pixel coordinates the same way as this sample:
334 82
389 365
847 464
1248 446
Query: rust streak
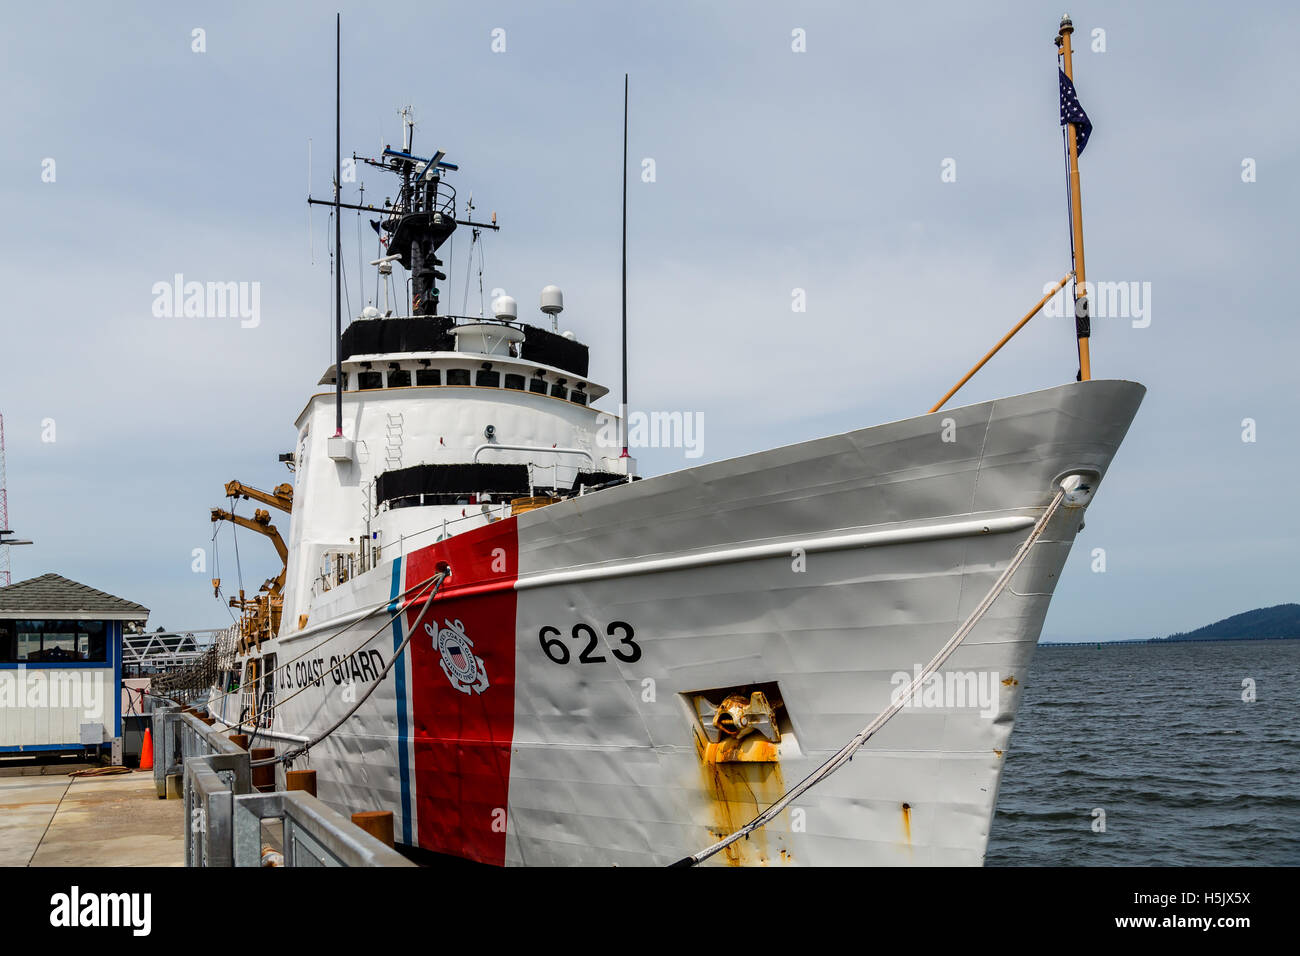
752 749
737 789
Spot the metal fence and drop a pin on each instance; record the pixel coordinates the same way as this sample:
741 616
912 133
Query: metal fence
226 821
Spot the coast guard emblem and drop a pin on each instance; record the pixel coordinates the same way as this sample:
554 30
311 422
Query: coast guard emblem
465 671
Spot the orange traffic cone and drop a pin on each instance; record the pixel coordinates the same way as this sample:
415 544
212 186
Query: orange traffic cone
146 750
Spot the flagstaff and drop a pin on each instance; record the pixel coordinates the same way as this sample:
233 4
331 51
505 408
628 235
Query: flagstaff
1082 325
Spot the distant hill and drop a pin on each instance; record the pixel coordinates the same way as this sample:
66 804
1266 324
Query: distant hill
1281 622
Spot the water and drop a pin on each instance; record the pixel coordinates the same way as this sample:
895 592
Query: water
1159 738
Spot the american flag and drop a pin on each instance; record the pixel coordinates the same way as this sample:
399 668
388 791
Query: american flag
457 656
1072 112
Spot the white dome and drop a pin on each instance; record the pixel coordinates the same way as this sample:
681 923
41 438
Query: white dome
552 300
505 307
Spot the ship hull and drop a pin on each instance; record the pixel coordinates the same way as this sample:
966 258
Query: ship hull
547 708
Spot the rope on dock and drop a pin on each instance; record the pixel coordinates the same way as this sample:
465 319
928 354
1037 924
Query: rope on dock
100 772
845 753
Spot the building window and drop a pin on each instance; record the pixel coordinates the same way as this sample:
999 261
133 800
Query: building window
515 381
53 642
399 378
457 376
369 380
8 643
488 379
428 376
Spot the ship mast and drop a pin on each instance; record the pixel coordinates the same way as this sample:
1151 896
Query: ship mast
1082 323
338 226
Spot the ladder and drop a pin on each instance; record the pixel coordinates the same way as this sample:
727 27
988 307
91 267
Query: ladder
393 440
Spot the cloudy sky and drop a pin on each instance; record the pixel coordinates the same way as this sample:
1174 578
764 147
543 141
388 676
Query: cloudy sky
775 170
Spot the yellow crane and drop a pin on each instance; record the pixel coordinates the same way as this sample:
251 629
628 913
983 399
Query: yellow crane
261 524
261 618
279 497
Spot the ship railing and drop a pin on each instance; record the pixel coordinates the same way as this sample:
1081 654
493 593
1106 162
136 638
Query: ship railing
337 567
441 198
498 510
429 197
226 819
459 320
448 527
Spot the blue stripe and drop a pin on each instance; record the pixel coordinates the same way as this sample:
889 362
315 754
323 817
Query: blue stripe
399 672
30 748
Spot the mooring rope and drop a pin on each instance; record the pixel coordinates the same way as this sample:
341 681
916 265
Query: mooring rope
293 752
845 753
434 581
196 685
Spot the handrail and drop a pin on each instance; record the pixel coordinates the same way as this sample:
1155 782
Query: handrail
1003 341
554 451
460 320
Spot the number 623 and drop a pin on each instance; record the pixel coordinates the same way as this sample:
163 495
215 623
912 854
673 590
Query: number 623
557 650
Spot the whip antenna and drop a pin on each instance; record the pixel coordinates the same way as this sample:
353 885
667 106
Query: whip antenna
623 409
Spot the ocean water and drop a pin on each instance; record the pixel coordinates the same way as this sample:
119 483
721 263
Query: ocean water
1159 738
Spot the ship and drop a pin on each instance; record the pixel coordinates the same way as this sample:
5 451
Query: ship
490 625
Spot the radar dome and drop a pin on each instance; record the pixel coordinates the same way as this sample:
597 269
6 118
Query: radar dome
504 307
552 300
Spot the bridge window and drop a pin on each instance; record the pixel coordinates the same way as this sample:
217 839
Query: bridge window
487 378
457 376
578 397
428 376
53 642
369 380
538 386
515 381
558 391
399 378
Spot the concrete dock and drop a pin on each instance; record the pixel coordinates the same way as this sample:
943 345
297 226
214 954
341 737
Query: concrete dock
51 819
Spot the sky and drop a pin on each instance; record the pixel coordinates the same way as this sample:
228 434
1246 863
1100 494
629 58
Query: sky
828 169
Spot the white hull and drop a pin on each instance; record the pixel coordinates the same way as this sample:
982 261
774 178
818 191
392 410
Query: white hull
826 568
